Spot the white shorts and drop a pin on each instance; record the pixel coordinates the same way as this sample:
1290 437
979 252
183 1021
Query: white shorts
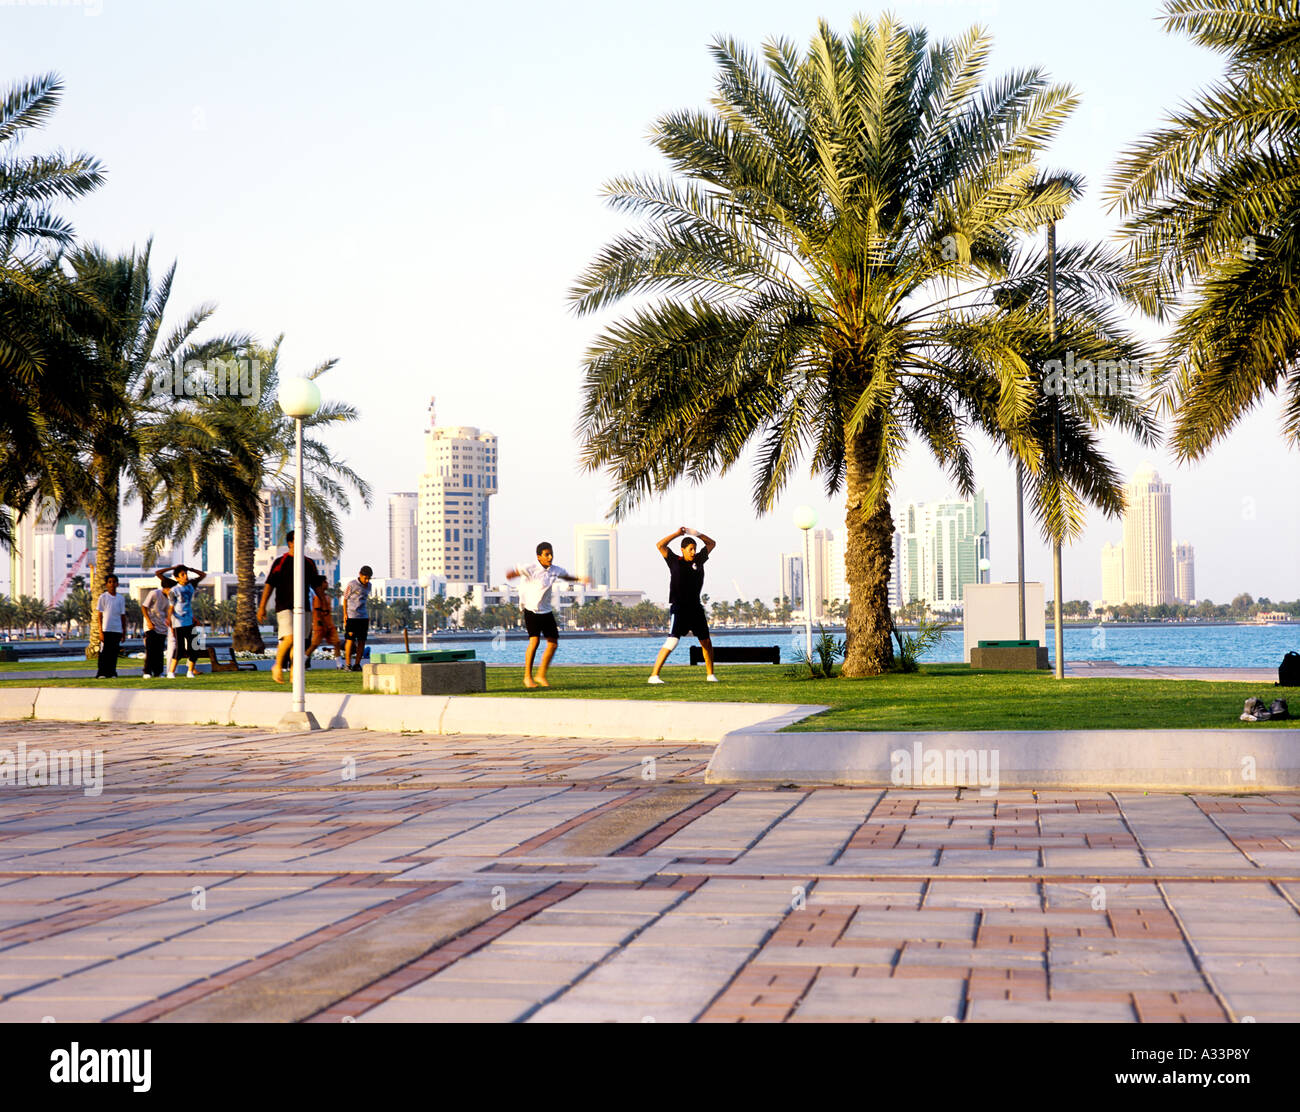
284 623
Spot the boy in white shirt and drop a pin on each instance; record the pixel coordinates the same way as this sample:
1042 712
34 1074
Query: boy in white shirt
535 598
110 614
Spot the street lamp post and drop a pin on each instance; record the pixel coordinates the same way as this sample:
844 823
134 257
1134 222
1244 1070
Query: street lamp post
805 517
299 398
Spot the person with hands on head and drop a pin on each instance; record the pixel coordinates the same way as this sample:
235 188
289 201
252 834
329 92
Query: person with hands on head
535 598
180 616
686 580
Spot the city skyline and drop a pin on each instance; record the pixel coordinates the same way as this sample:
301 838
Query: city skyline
267 265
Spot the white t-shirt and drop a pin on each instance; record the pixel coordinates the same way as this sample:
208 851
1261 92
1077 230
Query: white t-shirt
535 590
113 607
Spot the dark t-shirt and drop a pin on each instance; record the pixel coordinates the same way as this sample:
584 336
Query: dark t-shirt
686 581
281 578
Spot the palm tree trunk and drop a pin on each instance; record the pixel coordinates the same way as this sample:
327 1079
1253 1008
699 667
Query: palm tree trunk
105 522
868 554
247 638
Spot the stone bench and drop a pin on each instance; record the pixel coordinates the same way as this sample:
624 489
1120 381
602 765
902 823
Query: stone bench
1010 656
455 677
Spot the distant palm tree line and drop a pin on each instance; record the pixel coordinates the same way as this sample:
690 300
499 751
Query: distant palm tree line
85 340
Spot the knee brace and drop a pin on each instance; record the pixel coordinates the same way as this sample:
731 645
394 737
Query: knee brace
670 643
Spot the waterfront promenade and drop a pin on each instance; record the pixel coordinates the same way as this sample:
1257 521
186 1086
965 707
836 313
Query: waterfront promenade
233 874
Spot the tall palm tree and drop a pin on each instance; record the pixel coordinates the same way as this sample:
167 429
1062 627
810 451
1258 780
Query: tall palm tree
1212 202
250 449
835 269
107 452
34 295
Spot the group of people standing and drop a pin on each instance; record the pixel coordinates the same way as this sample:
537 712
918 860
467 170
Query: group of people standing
168 611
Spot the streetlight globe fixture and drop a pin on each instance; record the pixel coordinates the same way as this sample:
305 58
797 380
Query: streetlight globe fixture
805 517
299 397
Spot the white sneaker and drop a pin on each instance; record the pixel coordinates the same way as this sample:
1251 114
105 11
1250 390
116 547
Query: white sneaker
171 675
654 679
711 678
193 673
150 676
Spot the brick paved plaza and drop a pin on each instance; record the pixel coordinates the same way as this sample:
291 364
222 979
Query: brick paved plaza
417 877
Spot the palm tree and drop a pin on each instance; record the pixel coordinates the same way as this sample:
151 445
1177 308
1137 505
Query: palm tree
1213 215
838 271
109 450
250 448
34 295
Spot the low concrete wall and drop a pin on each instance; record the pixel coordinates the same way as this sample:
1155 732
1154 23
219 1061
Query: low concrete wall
523 716
1182 760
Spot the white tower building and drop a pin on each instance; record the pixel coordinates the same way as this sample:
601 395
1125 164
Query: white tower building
460 475
403 535
595 549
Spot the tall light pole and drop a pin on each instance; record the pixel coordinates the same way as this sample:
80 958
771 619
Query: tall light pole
299 398
805 517
1056 448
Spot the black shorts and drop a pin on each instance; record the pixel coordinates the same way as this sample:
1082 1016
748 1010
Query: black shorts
355 629
691 622
541 625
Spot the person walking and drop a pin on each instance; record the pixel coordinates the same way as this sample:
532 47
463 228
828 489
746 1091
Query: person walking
280 580
180 616
535 598
686 580
323 630
356 617
110 615
154 608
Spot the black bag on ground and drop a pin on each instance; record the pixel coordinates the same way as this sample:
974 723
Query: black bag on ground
1288 672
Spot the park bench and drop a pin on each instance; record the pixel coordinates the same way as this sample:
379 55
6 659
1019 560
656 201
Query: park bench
739 654
232 665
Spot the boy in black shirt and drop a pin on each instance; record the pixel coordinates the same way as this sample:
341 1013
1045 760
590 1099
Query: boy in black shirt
686 574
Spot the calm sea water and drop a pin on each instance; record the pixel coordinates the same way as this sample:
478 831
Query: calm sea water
1167 646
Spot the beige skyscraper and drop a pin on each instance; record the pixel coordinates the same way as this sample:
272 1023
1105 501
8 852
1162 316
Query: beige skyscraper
1112 574
1148 540
1184 572
460 475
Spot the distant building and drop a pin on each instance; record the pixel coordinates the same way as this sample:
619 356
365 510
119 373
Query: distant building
1184 572
595 554
817 581
1148 540
460 475
942 546
791 578
49 551
403 534
837 583
1112 574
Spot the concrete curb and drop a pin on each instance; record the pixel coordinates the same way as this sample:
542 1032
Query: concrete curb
1111 760
612 719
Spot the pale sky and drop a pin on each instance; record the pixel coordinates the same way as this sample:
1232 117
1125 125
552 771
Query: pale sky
414 187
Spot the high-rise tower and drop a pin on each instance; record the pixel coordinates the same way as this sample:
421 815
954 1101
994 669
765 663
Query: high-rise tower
460 475
1148 540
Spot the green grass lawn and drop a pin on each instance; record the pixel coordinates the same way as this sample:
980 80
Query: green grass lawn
939 697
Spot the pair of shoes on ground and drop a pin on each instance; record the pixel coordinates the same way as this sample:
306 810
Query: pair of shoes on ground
1255 711
656 680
